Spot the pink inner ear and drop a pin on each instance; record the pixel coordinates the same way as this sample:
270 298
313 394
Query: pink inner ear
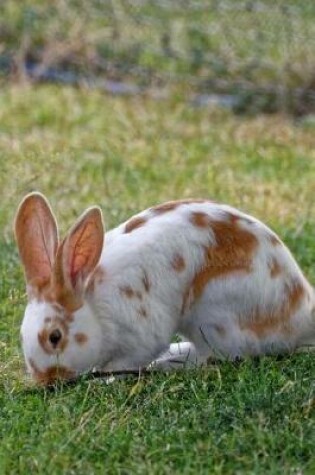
38 269
83 247
37 239
78 264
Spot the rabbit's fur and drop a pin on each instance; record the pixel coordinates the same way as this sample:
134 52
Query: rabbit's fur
206 271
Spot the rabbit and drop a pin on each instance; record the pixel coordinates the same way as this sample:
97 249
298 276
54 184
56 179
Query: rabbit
217 277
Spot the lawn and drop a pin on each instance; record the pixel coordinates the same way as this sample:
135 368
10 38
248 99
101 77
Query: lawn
82 147
262 52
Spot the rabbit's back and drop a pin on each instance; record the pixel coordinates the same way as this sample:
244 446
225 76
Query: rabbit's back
208 269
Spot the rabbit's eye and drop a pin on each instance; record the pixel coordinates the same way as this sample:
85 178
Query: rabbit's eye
54 337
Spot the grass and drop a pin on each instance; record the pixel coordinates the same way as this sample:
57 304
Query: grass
246 419
81 147
261 50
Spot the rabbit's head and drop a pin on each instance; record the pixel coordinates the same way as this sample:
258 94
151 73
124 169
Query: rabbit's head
61 336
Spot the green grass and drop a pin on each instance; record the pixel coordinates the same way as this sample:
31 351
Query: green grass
252 418
81 147
255 42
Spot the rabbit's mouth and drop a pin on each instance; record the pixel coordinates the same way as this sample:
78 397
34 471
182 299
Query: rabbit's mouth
51 374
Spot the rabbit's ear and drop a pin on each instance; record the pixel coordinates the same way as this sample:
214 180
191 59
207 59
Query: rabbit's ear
79 252
37 239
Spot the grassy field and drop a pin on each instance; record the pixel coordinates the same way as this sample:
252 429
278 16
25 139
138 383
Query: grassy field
261 51
81 147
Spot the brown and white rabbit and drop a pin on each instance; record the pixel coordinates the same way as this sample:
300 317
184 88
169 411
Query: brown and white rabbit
206 271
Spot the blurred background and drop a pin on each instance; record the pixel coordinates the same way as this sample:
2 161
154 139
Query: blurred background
247 55
127 103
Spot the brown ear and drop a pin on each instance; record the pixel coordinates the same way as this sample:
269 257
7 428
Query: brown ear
37 239
80 252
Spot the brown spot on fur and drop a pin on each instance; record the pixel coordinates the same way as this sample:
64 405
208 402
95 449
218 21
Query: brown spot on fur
47 320
70 301
219 329
127 291
80 338
188 298
242 219
50 375
264 322
178 263
295 295
143 312
275 241
130 292
57 295
199 219
231 253
97 278
43 336
146 282
165 207
171 205
233 217
275 268
134 223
